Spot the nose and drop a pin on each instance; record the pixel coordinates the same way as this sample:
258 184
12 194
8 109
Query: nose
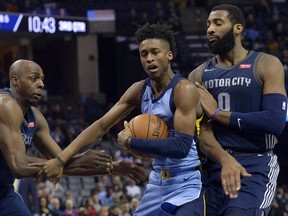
149 57
41 83
210 29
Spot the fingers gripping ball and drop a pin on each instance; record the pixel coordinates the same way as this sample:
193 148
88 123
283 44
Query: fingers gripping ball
148 126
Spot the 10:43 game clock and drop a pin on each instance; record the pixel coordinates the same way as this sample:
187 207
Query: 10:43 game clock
42 24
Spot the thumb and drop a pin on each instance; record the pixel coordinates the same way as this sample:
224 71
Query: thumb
126 125
244 173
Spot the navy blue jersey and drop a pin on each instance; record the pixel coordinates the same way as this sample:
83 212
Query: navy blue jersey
237 89
28 129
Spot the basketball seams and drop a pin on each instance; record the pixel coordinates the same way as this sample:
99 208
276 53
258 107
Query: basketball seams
148 126
132 129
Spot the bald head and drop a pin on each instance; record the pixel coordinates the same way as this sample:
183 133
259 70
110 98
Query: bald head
22 66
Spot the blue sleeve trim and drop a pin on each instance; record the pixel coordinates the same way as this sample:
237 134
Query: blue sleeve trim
271 119
174 147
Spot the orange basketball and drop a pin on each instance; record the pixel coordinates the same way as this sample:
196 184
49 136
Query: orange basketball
148 126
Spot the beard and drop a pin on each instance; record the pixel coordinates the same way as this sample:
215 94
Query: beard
224 44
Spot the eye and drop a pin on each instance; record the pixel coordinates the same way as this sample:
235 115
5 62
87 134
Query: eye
143 53
34 79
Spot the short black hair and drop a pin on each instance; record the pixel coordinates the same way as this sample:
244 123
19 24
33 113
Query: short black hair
235 14
157 31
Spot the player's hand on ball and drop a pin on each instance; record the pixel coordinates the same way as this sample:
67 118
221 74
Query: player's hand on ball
124 135
129 169
231 174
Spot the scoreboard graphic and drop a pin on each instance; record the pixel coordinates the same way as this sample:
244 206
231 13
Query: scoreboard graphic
38 24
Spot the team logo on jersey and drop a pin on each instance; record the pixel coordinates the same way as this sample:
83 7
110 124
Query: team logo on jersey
242 66
31 124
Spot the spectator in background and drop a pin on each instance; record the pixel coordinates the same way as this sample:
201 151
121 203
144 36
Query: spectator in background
125 208
44 210
104 211
132 21
134 204
54 207
115 210
70 209
89 207
106 199
133 190
96 201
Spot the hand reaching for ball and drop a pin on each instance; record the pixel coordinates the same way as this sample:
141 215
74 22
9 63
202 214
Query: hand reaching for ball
124 135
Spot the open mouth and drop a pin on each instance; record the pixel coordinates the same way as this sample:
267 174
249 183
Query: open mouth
37 96
152 68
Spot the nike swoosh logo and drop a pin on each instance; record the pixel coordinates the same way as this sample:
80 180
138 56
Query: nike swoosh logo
186 178
238 121
209 69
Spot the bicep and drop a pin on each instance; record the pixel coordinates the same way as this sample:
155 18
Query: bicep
271 72
186 109
12 145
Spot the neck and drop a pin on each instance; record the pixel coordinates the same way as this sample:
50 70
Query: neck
232 58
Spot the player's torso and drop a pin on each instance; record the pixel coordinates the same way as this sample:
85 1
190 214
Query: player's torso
163 106
237 89
28 129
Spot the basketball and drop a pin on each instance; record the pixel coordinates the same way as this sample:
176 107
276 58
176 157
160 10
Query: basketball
148 126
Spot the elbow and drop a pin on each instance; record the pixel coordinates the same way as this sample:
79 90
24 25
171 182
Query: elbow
276 127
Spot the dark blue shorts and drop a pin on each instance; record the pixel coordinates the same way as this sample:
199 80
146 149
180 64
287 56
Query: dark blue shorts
11 203
257 192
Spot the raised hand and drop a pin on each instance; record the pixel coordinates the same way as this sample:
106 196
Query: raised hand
129 169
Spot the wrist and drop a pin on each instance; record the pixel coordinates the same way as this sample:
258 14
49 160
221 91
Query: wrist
60 161
127 143
213 117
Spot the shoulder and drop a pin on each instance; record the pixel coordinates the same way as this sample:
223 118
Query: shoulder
185 86
9 107
196 74
268 63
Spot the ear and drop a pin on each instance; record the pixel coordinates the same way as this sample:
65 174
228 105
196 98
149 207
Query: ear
238 28
14 80
170 55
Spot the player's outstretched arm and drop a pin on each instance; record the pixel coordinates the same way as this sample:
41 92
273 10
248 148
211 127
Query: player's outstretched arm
95 131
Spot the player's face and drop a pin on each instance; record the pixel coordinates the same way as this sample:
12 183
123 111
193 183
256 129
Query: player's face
30 85
155 56
220 33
